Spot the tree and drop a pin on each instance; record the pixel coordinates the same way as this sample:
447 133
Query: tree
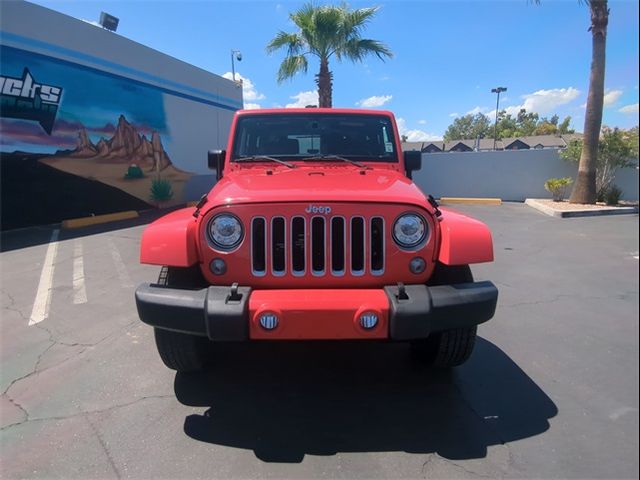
325 32
468 127
616 149
585 189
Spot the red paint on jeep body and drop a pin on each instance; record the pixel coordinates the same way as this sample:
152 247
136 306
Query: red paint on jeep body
306 314
464 240
171 240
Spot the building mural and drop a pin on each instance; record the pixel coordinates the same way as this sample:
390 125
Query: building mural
88 123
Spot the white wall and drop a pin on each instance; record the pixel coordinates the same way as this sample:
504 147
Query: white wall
509 175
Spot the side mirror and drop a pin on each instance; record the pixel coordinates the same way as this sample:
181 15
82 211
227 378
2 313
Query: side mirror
412 162
215 160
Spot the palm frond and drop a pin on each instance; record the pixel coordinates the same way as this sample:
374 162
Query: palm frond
292 65
358 48
291 41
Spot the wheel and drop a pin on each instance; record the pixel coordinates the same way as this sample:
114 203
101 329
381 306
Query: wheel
448 348
180 351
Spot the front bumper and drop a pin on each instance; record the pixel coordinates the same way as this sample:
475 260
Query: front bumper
232 313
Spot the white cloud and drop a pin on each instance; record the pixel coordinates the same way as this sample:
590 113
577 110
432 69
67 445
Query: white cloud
303 99
476 110
633 108
415 135
375 101
252 106
541 102
546 101
611 97
249 92
454 115
422 122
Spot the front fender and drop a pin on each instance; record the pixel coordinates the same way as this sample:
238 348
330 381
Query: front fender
171 240
463 240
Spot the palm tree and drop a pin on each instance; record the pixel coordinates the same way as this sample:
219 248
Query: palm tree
325 31
584 189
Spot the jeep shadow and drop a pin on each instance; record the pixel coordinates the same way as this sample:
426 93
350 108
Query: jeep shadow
285 400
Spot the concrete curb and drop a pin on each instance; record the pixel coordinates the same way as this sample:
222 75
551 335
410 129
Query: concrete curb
579 212
471 201
98 219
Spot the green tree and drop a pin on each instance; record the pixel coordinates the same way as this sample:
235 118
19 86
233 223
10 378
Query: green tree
468 127
325 32
616 149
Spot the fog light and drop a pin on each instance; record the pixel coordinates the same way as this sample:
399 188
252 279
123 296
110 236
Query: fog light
268 321
218 266
417 265
368 320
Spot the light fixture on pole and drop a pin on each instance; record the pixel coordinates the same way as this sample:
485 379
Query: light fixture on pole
235 55
497 90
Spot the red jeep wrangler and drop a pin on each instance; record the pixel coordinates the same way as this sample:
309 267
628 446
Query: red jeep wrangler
315 231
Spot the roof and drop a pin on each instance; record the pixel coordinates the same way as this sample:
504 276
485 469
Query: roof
547 141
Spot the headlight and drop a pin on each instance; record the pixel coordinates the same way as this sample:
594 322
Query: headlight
225 231
409 230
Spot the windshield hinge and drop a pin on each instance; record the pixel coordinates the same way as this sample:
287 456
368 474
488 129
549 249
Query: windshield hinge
434 203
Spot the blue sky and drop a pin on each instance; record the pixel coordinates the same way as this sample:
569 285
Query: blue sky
448 55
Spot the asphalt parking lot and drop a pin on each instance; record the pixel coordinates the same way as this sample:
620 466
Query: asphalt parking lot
551 390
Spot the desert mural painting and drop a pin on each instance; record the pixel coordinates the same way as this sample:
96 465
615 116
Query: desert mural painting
96 126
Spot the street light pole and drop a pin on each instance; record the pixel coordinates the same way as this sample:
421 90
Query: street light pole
235 54
497 90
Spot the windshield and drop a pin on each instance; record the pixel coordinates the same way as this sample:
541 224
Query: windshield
310 137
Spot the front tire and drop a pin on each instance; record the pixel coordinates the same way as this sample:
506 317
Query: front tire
180 351
449 348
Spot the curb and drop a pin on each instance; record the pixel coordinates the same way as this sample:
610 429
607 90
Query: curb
471 201
552 212
98 219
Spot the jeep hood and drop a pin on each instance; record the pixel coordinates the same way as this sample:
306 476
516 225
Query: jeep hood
312 185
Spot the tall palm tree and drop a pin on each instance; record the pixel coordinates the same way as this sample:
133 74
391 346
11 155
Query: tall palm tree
326 31
584 189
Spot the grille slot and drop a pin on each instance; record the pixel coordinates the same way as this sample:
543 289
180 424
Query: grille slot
357 246
298 260
319 246
258 246
377 245
337 245
277 246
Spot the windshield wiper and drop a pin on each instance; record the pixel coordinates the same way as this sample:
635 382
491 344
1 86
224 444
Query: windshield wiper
260 158
337 157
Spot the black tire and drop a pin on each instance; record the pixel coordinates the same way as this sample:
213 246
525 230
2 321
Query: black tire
182 352
179 351
449 348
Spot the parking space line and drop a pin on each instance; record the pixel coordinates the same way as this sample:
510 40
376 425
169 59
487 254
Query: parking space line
43 295
125 279
79 289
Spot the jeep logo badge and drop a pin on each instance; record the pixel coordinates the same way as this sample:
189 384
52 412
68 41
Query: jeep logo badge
318 209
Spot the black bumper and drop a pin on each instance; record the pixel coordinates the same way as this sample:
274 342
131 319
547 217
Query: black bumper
222 313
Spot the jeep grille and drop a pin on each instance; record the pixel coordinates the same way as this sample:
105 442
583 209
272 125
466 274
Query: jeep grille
318 246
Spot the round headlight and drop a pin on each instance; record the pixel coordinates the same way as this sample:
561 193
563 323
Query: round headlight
225 231
409 230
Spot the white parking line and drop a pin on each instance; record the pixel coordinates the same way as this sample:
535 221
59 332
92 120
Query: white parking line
79 289
43 295
125 279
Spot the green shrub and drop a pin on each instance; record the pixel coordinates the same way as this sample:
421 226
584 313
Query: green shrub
558 187
134 171
161 190
613 195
